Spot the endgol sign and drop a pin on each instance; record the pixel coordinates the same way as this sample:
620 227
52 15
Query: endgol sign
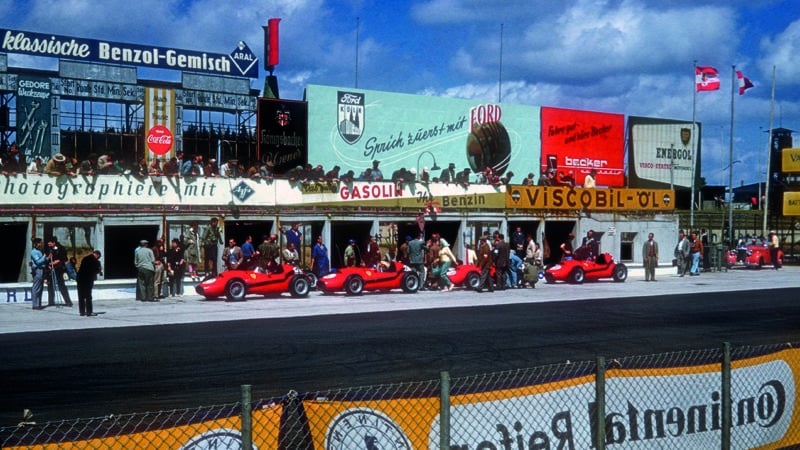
81 49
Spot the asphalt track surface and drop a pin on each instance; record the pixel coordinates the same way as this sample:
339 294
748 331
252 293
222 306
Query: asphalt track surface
93 372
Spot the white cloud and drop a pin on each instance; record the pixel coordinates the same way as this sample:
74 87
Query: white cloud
782 52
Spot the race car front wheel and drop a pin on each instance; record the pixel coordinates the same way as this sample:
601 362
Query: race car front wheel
577 275
235 290
473 280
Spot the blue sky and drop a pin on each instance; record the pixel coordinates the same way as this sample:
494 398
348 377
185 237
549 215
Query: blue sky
621 56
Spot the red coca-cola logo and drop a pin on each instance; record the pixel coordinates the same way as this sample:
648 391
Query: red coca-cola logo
159 140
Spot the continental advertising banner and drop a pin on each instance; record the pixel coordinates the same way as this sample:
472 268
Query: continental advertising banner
661 152
352 128
790 160
282 131
595 199
575 142
33 116
159 123
670 407
222 433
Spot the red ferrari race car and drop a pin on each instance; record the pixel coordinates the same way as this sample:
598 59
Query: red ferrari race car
751 256
235 285
577 271
356 280
465 275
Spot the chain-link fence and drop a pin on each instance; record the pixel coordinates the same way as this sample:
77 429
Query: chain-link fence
719 398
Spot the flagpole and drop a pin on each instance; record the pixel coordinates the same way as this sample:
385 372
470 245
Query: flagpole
769 157
694 146
730 161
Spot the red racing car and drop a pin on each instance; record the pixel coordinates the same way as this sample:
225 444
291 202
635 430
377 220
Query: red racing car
235 285
577 271
356 280
751 256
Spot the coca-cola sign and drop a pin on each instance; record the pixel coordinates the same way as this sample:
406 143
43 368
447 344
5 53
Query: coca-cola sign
159 140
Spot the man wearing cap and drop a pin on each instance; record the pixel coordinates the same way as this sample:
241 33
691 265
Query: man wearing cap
38 269
448 175
350 254
774 247
376 174
57 166
144 260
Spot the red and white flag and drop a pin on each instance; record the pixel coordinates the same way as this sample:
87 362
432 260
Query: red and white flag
744 82
706 78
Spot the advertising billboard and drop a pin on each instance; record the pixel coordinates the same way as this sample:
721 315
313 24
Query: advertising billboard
575 142
33 116
282 127
790 158
241 62
159 122
661 151
352 128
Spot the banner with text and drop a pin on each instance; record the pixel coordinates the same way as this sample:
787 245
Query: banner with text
661 152
170 192
159 123
405 133
790 160
241 62
791 203
575 142
665 407
282 133
33 116
595 199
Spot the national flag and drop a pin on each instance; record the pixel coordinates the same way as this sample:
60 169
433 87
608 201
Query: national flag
744 82
706 78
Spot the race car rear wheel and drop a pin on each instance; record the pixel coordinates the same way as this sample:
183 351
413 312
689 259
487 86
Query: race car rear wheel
299 286
620 273
354 285
577 275
235 290
410 282
473 280
312 279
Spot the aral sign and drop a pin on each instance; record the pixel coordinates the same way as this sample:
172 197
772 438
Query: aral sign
67 47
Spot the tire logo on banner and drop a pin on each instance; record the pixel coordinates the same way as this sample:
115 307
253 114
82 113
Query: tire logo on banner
350 121
365 428
220 438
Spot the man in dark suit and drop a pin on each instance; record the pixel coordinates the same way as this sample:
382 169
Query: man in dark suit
502 258
87 273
